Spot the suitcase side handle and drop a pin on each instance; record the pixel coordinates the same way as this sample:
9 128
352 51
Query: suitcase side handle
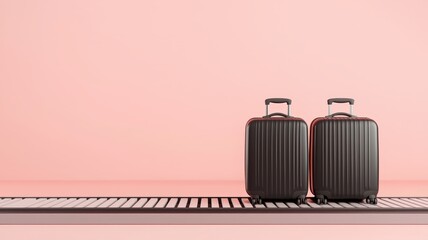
277 100
340 100
341 114
276 114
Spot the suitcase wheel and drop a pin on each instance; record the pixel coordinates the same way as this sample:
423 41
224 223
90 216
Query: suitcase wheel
257 200
301 199
372 199
321 199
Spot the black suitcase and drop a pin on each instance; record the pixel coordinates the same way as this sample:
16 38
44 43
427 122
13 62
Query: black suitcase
344 156
276 156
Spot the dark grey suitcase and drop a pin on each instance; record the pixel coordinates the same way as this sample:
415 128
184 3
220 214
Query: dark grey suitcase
276 156
344 156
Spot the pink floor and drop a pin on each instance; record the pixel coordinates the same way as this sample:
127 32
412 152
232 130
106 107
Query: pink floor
215 232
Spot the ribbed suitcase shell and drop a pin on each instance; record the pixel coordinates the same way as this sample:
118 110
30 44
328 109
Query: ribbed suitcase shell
344 157
276 158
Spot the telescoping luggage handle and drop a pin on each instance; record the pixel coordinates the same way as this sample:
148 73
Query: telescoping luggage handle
340 100
277 100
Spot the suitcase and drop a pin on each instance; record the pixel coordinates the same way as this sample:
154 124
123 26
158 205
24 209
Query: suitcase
344 156
276 156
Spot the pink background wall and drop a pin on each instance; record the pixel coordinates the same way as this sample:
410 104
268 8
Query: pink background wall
161 90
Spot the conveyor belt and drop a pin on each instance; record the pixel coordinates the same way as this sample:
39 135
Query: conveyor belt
207 210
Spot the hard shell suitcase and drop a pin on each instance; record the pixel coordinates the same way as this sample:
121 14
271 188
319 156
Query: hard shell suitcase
276 156
344 156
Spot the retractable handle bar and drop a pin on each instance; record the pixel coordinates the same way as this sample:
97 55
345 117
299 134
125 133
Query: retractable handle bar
341 100
278 100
